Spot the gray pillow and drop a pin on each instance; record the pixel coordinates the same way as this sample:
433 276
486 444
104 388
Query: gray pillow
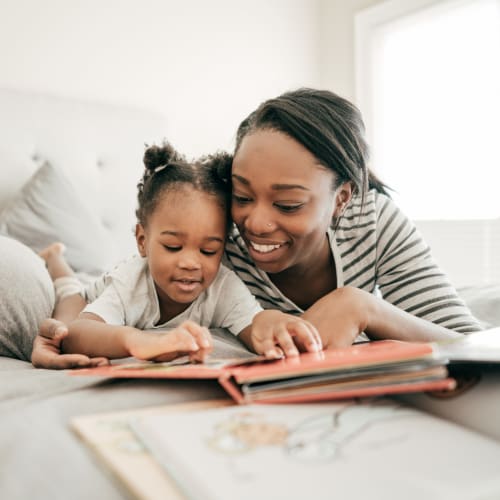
27 298
48 209
484 303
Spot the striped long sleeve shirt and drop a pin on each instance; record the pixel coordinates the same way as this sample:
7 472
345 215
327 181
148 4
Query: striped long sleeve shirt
378 249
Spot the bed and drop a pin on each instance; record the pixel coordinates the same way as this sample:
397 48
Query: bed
73 166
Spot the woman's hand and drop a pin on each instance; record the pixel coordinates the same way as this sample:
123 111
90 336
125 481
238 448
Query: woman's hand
188 338
346 312
341 316
274 333
46 351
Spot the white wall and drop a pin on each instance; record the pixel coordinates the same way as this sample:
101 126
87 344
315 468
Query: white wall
466 250
337 44
205 64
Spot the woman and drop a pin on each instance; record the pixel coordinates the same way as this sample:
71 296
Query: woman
316 234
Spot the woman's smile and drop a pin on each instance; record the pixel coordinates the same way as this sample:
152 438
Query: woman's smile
265 252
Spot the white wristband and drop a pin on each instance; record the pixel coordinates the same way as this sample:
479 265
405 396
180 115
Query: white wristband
66 286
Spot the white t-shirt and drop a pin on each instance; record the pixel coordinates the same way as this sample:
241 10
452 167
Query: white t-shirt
127 296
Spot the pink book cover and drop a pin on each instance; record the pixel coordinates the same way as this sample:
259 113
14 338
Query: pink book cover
233 374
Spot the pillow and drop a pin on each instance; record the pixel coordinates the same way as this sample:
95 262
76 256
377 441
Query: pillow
49 209
484 303
27 298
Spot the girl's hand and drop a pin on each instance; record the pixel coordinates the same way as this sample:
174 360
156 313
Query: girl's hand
188 338
274 333
46 351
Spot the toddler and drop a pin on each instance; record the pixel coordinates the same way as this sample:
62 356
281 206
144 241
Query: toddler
177 281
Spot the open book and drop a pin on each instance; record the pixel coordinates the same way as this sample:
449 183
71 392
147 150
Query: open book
479 347
367 369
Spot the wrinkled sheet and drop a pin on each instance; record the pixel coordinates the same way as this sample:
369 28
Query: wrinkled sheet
41 457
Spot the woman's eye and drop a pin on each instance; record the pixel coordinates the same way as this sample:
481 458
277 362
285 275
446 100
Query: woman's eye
241 200
289 208
171 248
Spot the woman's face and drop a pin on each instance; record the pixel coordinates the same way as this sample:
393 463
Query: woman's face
283 201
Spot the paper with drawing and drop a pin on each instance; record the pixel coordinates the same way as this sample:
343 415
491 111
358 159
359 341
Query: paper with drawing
374 449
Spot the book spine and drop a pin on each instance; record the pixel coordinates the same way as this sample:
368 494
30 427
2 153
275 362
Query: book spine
446 384
230 386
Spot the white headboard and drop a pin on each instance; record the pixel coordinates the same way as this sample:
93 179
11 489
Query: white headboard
99 146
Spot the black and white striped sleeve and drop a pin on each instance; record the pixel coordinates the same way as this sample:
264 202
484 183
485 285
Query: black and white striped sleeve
408 277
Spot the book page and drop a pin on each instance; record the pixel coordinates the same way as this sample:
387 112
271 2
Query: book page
374 449
475 347
109 435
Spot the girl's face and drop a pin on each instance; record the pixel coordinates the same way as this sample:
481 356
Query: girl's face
184 242
283 201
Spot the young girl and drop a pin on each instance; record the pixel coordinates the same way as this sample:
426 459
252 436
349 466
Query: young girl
177 282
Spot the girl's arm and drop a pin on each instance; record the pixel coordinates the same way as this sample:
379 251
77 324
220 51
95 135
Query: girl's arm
344 313
90 335
68 308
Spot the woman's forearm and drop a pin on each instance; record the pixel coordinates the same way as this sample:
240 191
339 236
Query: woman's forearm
386 321
95 338
346 312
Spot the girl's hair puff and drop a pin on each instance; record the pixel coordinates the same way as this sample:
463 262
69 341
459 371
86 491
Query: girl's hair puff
165 169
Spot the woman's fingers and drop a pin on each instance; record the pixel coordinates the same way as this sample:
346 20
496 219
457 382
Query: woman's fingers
53 329
46 351
47 355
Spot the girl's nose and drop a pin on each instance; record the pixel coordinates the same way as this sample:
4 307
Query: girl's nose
188 260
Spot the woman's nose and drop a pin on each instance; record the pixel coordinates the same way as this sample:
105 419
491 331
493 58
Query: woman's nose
259 221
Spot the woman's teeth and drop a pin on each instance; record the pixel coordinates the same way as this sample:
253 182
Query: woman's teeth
264 248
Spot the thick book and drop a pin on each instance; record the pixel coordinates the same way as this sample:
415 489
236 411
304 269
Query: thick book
366 369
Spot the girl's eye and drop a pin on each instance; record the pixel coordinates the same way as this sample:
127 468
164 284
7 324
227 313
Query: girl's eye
172 248
289 208
208 252
241 200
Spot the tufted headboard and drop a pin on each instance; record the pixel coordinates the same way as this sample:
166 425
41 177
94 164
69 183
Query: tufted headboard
99 146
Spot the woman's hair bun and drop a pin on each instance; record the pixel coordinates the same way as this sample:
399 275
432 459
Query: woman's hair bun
158 156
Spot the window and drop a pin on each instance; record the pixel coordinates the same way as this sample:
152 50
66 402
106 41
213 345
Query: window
428 84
